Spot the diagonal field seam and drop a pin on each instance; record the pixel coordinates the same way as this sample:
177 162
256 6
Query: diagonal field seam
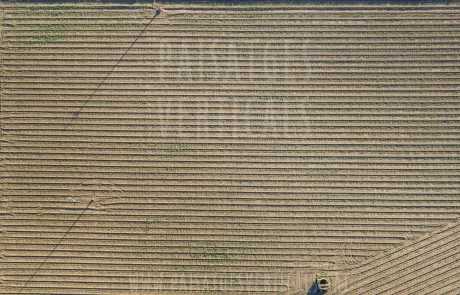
113 68
401 260
31 277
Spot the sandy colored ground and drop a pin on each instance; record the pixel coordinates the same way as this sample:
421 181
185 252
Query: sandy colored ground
229 149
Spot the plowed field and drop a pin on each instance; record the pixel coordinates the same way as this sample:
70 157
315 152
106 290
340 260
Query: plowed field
211 148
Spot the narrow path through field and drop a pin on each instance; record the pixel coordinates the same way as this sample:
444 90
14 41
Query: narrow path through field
110 72
51 252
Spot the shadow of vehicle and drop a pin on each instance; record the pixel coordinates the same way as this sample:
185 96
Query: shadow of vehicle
314 290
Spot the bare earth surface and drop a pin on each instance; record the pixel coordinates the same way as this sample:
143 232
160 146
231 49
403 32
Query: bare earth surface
219 149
